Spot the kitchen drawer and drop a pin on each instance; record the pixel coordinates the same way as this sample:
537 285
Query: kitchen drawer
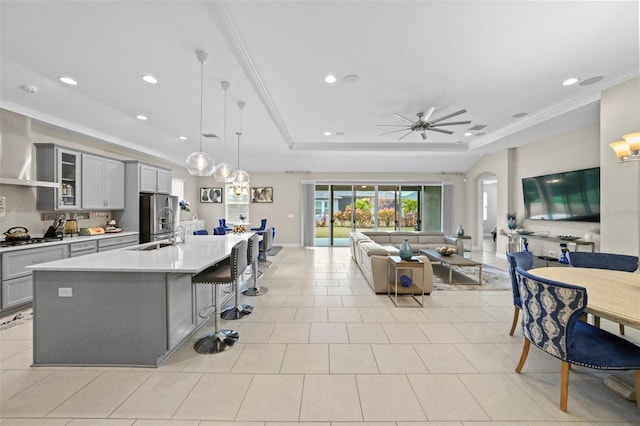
83 252
83 246
17 291
14 262
113 243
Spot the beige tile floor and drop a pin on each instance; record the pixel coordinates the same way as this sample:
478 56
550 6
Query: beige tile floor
321 349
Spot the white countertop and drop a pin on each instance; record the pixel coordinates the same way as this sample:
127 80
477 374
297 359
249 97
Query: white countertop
196 254
67 240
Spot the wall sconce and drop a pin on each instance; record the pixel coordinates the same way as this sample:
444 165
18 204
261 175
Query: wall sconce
628 149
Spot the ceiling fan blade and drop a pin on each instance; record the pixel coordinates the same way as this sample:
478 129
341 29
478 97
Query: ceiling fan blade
403 118
405 135
428 113
395 125
433 129
452 123
392 131
453 114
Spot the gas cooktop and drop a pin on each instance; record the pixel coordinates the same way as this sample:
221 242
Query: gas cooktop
27 241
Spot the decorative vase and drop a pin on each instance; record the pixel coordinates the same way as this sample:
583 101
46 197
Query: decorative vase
183 215
460 231
405 281
405 250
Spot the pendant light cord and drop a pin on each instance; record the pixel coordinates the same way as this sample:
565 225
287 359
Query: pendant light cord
201 99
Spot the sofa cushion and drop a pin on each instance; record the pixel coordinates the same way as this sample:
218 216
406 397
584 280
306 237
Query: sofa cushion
396 238
372 248
380 237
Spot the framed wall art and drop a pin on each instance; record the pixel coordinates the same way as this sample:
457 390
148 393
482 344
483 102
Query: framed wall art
210 195
262 194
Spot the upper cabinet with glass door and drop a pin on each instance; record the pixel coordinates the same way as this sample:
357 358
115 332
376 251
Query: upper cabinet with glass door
63 166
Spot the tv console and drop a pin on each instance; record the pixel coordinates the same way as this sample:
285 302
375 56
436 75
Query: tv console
515 241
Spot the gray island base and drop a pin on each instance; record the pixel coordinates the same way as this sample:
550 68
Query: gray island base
137 314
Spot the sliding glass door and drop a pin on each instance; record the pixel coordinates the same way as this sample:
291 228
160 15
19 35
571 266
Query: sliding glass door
344 208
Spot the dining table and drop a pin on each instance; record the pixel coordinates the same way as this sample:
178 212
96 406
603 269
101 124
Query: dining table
614 295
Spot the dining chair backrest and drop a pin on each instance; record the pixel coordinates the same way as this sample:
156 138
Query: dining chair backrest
524 260
262 227
612 261
253 248
219 230
550 310
200 232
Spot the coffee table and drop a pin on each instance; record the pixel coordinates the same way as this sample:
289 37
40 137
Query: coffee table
451 261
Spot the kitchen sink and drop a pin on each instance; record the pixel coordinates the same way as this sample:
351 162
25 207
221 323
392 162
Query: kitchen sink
155 246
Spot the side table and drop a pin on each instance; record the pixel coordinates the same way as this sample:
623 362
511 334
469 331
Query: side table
397 264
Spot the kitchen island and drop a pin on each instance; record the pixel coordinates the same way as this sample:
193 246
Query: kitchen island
129 307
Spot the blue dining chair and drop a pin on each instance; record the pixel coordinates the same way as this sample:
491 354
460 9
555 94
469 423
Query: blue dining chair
523 259
200 232
219 230
612 261
260 229
551 313
223 223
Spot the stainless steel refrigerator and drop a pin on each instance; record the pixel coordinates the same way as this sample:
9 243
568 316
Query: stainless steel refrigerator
156 221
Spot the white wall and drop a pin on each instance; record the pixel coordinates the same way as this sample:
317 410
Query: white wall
619 115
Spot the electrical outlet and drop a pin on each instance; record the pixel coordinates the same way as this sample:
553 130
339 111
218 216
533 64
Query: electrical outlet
65 292
553 253
45 217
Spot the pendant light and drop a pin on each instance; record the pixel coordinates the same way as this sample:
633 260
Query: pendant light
200 163
240 177
224 171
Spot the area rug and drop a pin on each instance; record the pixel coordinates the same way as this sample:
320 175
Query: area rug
466 278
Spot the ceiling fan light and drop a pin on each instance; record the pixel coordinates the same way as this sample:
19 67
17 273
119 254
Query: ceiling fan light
224 172
200 164
424 135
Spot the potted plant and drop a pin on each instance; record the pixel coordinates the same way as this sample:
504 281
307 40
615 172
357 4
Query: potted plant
512 223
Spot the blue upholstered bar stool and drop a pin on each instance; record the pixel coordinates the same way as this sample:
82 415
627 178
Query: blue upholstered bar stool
238 310
222 274
252 258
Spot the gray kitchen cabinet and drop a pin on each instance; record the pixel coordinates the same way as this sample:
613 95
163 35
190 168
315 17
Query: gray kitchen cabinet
113 243
154 179
82 248
63 166
102 183
16 279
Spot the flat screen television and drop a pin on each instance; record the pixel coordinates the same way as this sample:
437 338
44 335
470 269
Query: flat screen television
569 196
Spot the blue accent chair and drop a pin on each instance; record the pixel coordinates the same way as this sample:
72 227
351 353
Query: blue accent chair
219 230
612 261
223 223
200 232
523 259
551 313
260 229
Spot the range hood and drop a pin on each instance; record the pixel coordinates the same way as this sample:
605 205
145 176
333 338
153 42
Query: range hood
17 155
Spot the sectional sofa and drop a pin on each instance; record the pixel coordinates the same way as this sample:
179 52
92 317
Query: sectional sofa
370 250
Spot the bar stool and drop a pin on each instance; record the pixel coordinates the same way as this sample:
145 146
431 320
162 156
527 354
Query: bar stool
217 275
252 258
267 242
238 310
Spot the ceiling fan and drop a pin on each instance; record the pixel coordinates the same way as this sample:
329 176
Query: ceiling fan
422 124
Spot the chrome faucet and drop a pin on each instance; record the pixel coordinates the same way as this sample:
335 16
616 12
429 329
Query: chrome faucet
172 238
181 229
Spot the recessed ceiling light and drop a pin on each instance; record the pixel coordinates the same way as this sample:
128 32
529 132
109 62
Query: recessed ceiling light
182 138
330 79
350 79
68 80
149 79
327 133
481 134
468 134
591 80
519 115
340 133
141 117
570 81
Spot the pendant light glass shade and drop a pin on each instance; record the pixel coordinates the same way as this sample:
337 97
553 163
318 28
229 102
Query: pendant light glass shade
200 163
